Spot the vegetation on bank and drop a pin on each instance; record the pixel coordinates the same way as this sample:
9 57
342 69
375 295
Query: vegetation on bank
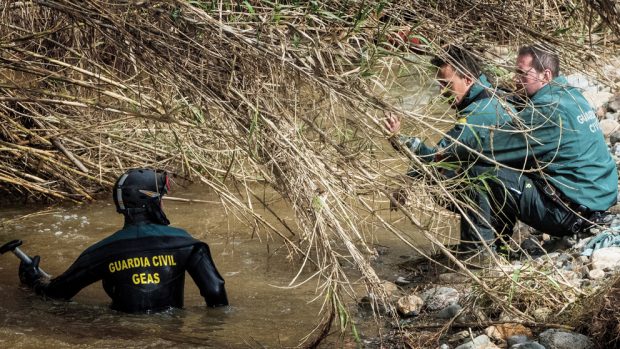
286 93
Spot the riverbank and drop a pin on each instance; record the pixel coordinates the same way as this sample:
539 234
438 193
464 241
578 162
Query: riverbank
558 293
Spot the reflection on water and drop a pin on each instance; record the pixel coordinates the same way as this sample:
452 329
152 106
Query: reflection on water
260 314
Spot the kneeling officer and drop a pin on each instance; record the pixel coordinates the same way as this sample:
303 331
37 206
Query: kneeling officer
143 265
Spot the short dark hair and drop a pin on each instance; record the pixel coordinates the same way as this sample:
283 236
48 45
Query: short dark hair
543 57
461 59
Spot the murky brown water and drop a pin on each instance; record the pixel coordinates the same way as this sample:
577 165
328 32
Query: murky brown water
262 313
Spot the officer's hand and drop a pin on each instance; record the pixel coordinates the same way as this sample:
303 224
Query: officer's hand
29 274
399 196
392 123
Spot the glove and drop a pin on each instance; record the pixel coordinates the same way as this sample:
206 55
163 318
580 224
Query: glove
413 144
29 274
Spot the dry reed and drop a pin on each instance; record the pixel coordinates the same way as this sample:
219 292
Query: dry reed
289 94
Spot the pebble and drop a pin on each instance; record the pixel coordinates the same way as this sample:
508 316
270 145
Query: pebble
558 339
438 298
596 274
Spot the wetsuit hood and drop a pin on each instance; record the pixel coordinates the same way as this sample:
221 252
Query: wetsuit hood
138 193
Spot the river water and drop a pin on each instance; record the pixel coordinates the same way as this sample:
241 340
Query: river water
263 312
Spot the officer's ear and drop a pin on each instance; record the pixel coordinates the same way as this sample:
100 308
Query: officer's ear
469 80
547 76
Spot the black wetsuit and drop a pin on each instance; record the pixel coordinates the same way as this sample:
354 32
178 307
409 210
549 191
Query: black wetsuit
143 269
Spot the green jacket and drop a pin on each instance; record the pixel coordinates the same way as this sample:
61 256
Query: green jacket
563 140
479 110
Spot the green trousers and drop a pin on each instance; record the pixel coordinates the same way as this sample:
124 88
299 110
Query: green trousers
499 197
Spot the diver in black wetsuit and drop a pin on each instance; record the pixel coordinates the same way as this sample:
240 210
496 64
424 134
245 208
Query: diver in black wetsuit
142 266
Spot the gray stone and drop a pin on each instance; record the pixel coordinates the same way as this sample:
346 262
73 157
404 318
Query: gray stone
528 345
449 312
609 126
606 258
597 98
614 104
558 339
612 116
614 138
578 80
517 339
438 298
596 274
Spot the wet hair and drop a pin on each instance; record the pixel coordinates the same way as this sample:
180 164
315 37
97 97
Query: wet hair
543 57
462 60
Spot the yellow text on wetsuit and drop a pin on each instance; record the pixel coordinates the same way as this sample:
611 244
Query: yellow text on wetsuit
129 263
141 262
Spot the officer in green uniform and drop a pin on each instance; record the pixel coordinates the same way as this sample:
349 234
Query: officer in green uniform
477 109
555 172
572 177
142 266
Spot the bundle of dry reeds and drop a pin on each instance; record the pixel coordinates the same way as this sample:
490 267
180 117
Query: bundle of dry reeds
290 94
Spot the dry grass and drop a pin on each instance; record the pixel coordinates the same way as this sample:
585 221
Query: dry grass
598 316
231 93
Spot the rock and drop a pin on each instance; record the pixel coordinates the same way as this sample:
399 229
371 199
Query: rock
389 287
516 339
438 298
449 312
409 305
541 314
528 345
606 258
608 127
504 331
596 274
614 104
444 346
578 80
597 98
558 339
